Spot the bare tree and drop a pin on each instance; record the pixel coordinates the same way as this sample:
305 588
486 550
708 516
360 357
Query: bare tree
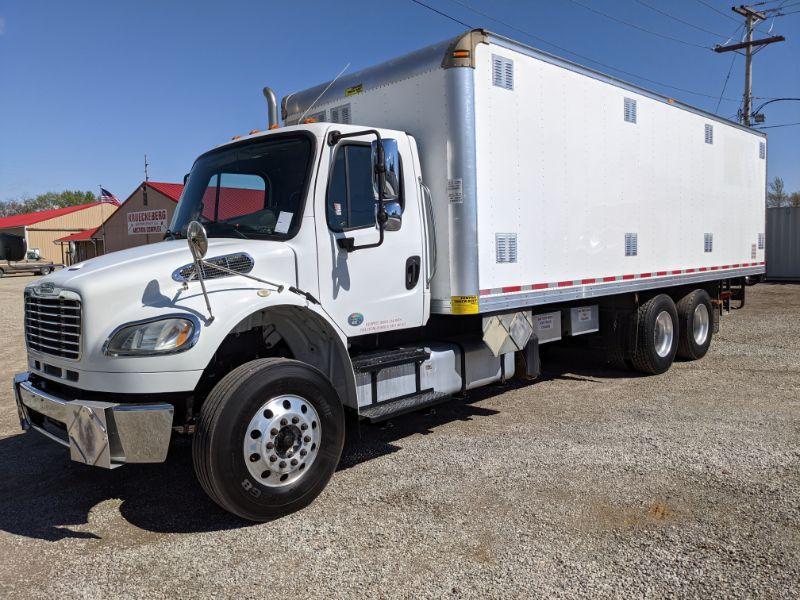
777 196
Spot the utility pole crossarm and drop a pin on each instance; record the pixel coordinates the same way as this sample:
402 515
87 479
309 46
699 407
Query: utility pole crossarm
761 42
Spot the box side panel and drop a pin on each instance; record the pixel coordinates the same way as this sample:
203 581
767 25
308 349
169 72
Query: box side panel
563 177
415 105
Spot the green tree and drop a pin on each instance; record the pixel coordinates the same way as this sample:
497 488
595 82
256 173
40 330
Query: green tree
45 201
777 196
794 199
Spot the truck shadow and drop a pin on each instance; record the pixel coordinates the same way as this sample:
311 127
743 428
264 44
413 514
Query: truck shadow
46 496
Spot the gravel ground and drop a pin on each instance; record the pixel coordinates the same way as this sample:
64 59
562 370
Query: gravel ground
588 483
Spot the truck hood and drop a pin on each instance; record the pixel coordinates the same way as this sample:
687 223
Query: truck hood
137 284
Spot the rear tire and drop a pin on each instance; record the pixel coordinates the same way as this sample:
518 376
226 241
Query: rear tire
656 335
250 455
45 271
695 319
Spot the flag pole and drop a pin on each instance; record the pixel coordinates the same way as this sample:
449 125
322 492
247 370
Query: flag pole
102 220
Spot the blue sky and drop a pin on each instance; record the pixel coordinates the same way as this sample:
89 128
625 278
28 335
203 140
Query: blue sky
88 87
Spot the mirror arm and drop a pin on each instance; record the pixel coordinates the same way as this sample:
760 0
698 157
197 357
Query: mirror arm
334 137
199 270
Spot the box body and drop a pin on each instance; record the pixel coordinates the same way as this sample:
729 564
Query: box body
553 182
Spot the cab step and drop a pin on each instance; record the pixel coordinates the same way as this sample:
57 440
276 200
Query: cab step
383 359
376 413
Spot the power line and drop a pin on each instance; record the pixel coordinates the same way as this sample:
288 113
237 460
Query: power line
584 57
725 85
724 14
640 28
679 20
781 125
445 15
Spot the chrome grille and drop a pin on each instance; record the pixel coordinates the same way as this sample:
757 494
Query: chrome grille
239 262
53 325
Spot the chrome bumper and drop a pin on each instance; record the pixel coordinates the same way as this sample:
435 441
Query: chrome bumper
101 434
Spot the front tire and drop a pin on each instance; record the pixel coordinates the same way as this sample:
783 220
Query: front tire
695 317
45 271
269 438
656 335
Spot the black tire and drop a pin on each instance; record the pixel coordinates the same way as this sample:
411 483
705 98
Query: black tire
45 271
217 448
646 357
688 345
2 273
615 328
751 280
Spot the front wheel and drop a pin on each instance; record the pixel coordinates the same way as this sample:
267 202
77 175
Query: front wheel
45 271
269 438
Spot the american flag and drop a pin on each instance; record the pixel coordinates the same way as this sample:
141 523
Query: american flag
106 196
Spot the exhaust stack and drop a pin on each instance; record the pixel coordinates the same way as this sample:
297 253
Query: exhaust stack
272 107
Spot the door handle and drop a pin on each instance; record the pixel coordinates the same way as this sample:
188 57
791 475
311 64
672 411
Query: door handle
412 272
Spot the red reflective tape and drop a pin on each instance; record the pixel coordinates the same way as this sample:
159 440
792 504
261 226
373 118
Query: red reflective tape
485 292
702 269
590 280
734 266
564 283
725 267
539 286
689 271
661 273
612 278
714 269
763 263
646 275
628 276
512 288
677 272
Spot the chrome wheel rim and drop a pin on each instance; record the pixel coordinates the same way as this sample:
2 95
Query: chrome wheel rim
282 440
664 333
700 324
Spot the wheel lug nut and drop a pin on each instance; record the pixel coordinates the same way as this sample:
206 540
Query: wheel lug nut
270 445
294 462
284 422
295 420
253 457
273 432
307 438
282 464
303 452
273 458
304 426
289 454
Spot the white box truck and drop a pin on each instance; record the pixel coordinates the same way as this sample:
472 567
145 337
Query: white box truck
412 231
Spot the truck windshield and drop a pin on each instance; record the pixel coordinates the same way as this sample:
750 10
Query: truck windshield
249 191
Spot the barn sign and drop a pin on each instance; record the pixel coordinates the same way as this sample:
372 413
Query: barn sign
147 221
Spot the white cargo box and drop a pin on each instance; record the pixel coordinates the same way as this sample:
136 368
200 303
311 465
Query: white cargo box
554 182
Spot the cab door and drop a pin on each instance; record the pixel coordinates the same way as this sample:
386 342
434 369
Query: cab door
376 289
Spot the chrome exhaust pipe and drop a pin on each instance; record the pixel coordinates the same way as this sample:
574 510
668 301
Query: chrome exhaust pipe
272 107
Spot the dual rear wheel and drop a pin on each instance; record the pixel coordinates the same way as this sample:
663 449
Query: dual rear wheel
662 330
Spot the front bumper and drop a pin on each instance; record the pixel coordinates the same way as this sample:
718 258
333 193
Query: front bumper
102 434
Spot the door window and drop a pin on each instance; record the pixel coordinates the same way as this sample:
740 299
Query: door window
351 194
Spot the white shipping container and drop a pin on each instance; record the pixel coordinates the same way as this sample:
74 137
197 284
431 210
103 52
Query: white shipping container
551 181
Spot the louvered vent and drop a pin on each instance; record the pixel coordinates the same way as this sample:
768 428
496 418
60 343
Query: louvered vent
761 241
630 110
762 150
502 72
239 262
709 134
752 251
631 244
505 247
708 242
319 117
340 114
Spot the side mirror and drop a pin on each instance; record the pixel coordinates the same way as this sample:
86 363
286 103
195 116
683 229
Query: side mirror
387 176
12 247
197 239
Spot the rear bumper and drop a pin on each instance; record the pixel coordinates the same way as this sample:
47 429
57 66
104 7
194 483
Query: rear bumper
101 434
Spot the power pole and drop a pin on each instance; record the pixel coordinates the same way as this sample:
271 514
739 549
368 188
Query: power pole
752 17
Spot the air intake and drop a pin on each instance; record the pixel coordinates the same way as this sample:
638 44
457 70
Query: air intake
239 262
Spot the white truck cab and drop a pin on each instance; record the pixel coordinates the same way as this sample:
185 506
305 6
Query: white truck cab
381 268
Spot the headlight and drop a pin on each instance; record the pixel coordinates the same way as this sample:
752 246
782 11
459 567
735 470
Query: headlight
161 336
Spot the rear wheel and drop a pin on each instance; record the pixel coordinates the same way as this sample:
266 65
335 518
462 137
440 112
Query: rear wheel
656 335
269 438
45 271
695 317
